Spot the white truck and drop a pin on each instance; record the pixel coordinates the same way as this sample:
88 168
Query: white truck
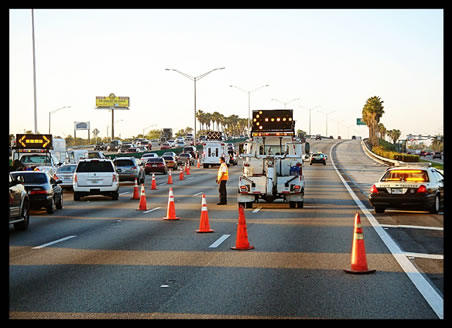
213 148
272 161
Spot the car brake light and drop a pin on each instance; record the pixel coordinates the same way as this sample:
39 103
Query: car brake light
38 192
75 177
373 190
114 178
422 189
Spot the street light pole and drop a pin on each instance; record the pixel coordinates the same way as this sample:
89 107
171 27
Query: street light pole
34 72
286 103
194 79
249 101
54 111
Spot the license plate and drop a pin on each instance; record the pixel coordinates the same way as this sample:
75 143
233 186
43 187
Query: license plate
397 191
154 165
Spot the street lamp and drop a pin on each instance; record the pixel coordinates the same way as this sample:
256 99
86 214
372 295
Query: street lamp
249 96
54 111
194 79
286 103
310 109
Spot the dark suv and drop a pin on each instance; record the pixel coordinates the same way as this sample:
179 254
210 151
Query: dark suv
19 203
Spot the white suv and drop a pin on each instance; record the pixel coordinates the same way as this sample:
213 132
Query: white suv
95 177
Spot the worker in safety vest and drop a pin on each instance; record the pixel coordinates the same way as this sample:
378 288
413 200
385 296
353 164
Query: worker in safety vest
222 178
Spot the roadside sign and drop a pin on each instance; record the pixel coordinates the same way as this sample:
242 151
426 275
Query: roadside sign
112 101
359 121
34 141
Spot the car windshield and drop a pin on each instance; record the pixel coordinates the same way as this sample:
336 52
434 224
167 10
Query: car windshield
35 159
95 166
32 177
67 168
405 175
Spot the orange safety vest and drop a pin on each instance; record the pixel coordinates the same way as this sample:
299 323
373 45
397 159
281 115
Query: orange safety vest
220 171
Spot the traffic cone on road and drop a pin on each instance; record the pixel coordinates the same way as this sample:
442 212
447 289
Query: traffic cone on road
170 178
153 184
198 165
358 258
204 221
171 211
181 174
187 169
135 191
142 206
241 242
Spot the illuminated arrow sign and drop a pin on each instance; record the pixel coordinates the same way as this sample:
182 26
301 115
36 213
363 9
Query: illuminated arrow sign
34 141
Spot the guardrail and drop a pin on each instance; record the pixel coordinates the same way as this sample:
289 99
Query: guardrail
380 159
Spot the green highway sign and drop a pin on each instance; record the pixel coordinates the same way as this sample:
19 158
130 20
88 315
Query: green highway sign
360 122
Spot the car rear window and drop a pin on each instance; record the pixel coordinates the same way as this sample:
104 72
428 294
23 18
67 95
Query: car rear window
33 177
406 175
67 168
184 155
124 162
155 160
95 166
168 158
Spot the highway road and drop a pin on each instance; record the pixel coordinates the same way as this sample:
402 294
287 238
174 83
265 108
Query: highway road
98 258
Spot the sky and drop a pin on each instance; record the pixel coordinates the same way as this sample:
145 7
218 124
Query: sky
331 60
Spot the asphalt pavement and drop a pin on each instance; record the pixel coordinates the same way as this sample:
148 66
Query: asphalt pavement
106 259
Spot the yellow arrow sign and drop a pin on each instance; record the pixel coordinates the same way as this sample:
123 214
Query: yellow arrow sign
46 141
21 141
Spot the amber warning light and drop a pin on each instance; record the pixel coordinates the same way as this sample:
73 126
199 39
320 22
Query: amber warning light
274 120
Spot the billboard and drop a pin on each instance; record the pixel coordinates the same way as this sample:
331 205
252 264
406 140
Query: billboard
112 101
81 125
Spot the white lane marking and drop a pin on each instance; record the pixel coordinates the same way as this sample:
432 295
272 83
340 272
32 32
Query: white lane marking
152 210
53 242
125 192
411 227
432 297
426 256
219 241
198 193
257 210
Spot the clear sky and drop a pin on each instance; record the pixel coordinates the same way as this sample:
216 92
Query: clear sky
333 60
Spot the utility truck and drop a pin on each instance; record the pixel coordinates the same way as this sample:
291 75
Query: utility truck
213 148
272 160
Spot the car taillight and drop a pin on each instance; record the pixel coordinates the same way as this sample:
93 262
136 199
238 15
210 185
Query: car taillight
75 177
38 192
373 190
422 189
114 178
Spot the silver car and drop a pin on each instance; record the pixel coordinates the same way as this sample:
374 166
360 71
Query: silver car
65 173
129 168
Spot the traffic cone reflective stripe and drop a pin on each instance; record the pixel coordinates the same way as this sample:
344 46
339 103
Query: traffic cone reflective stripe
171 211
204 220
153 184
170 178
358 256
241 242
142 206
135 190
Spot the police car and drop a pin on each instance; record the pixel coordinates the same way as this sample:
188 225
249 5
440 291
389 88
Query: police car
409 187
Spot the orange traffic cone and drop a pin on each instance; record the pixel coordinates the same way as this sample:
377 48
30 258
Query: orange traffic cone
171 211
187 169
204 222
170 178
181 174
358 258
153 184
135 191
142 205
198 165
241 242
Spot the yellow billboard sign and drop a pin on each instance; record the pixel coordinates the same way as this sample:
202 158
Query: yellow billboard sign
112 101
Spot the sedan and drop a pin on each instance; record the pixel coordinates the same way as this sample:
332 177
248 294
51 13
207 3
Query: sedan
318 158
129 168
171 161
65 173
165 145
155 164
184 158
42 189
410 187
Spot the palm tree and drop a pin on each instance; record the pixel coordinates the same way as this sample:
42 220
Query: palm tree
371 114
382 130
394 134
200 116
216 119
